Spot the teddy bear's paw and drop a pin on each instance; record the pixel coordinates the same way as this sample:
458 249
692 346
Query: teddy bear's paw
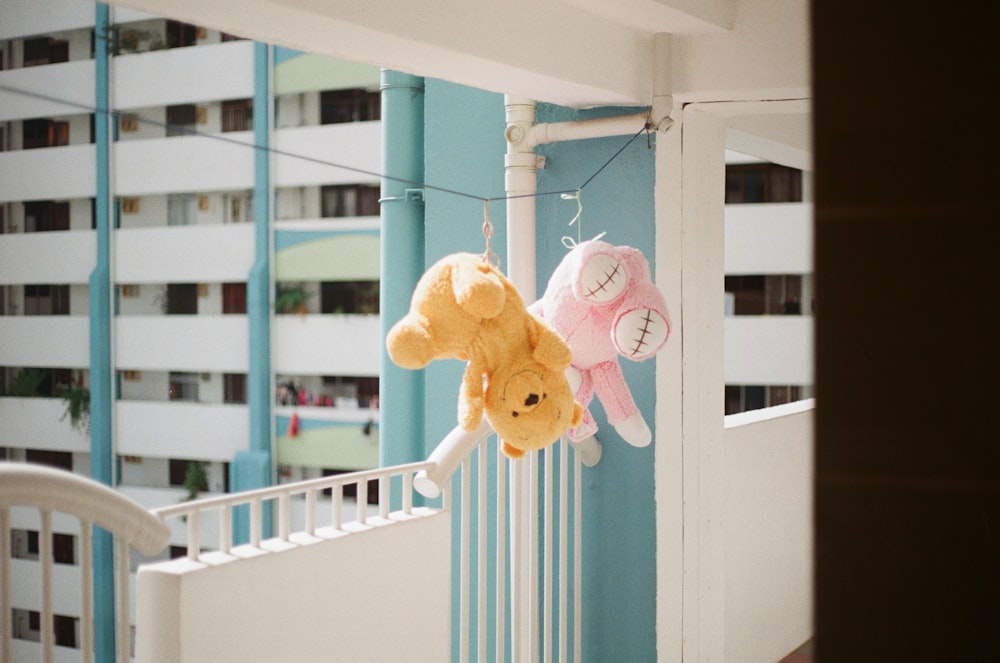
589 450
640 333
409 345
634 430
511 451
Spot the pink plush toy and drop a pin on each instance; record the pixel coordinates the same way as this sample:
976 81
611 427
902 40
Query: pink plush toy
602 300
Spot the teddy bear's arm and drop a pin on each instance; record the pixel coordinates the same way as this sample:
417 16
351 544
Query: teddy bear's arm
470 398
549 347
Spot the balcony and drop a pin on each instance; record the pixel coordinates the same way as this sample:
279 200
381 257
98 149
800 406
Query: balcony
69 173
184 254
301 346
197 343
208 431
356 145
58 341
73 80
40 423
66 256
195 74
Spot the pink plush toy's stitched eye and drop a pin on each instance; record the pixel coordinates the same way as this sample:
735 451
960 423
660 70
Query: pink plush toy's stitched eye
602 278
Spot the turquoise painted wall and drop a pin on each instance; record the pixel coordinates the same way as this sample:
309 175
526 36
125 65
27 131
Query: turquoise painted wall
464 151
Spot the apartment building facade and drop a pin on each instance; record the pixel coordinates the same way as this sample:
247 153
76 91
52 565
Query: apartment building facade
194 216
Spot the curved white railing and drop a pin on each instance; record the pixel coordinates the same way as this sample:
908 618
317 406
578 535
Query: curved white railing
92 503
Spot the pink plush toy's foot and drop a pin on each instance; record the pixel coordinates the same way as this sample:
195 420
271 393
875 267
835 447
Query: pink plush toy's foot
589 450
634 430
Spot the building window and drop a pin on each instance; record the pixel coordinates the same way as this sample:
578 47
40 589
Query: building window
181 119
235 388
45 50
181 34
46 300
59 459
182 299
771 294
360 297
337 106
237 115
182 209
45 215
184 387
44 133
349 200
740 398
762 183
234 298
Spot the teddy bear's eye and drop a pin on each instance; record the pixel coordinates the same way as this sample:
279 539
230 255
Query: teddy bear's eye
514 413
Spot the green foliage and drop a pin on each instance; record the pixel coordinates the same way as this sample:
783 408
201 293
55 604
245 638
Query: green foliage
291 299
77 407
25 384
195 479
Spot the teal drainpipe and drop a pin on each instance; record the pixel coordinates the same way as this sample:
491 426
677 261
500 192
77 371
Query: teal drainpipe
99 290
401 391
251 468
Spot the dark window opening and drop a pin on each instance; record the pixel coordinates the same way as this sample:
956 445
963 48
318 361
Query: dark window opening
182 299
181 34
349 200
234 298
762 183
45 215
350 490
45 50
337 106
235 388
44 133
353 297
58 459
772 294
237 115
181 119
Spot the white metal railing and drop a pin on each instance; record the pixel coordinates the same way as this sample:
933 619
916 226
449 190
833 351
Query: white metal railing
281 496
519 594
93 504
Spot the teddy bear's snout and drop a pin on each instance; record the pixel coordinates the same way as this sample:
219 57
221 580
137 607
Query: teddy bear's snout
532 399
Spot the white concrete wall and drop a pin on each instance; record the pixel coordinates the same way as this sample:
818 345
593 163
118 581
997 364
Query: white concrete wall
768 532
216 253
199 343
769 350
49 257
181 430
383 594
327 345
769 238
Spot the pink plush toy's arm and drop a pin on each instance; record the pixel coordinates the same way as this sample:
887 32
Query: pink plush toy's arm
611 390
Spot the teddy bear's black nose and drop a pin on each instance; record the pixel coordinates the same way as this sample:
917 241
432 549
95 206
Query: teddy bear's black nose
532 399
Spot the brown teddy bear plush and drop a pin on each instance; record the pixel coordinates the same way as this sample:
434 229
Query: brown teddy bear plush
464 308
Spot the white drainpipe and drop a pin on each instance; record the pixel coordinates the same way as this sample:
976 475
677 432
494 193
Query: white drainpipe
521 163
520 177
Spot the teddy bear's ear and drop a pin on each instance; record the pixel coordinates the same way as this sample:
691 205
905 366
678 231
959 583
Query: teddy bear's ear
477 288
550 348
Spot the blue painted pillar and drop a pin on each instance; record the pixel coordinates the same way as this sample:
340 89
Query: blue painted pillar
101 448
401 391
252 468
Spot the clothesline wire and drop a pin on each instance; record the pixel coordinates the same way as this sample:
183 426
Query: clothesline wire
117 114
